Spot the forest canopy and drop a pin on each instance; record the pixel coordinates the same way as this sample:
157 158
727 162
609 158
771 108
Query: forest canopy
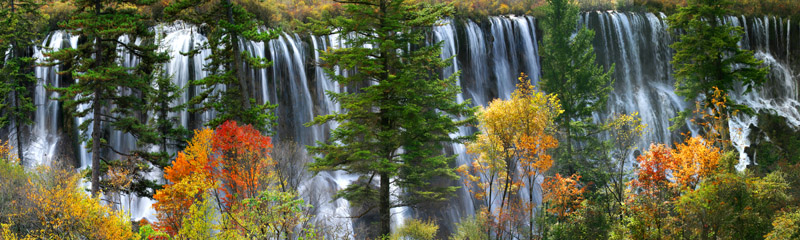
288 13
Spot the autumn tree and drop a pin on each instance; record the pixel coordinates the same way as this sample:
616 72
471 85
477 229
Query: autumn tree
188 177
732 206
19 30
708 56
564 195
569 71
626 130
227 89
225 181
648 207
13 181
241 162
393 128
694 161
50 203
666 179
512 151
785 226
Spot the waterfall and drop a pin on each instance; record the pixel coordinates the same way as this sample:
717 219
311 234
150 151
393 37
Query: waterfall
490 53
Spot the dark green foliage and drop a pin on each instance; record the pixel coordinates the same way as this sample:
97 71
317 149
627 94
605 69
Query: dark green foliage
18 34
783 147
582 86
112 91
708 55
401 103
164 132
226 24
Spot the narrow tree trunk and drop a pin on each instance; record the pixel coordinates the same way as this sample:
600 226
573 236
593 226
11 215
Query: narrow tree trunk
384 207
16 53
570 165
96 108
506 194
531 188
96 144
238 62
19 137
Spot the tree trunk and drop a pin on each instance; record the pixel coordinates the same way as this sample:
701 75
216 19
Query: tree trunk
16 53
96 108
531 188
96 144
19 137
384 207
570 158
238 62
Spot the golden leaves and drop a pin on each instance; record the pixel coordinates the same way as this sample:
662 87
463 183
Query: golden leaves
57 202
7 153
512 149
693 161
189 176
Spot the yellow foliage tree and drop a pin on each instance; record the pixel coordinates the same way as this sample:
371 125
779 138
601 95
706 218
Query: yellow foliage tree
49 203
189 177
65 211
512 153
693 161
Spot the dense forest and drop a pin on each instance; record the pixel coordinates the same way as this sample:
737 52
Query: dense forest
399 119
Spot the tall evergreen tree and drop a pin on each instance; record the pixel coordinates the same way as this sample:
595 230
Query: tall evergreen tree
708 55
163 131
112 92
394 126
227 25
582 86
18 33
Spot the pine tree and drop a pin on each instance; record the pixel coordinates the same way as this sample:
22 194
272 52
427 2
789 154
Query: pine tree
582 86
18 33
227 25
394 126
163 132
708 56
111 91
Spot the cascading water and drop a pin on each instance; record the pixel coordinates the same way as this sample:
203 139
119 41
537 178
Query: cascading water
490 55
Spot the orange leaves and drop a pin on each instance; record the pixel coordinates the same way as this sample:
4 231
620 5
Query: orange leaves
653 166
189 176
242 154
564 195
514 132
688 164
231 161
243 139
694 160
534 158
512 152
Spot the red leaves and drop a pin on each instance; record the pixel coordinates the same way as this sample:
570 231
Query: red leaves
242 153
230 136
653 166
230 159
